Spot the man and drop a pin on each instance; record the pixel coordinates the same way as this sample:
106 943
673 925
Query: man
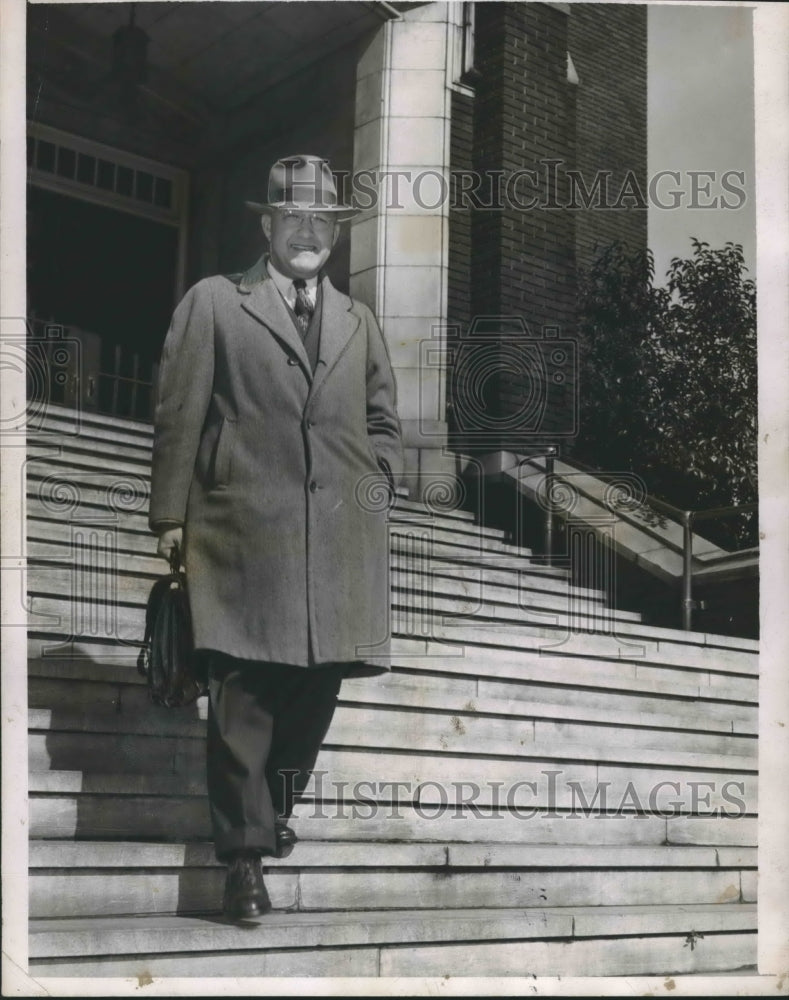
275 435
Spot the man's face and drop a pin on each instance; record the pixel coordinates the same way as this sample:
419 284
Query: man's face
301 242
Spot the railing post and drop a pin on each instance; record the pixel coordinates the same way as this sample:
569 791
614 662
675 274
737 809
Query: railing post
549 471
135 379
152 391
115 380
687 570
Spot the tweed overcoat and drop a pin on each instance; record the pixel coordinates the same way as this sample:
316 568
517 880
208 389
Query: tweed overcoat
277 473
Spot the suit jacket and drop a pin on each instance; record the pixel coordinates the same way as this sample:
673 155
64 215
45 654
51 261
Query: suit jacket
276 473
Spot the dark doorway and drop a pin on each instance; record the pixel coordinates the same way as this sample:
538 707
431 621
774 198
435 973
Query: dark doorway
109 276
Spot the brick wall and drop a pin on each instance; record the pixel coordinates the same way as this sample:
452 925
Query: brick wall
522 261
521 258
521 120
459 266
608 45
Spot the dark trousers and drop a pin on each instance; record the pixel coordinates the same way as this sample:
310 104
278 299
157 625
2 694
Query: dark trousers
266 723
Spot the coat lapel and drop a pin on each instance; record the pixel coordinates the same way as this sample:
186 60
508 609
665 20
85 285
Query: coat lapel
261 299
338 325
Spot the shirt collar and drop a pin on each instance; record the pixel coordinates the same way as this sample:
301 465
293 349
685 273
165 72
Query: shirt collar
285 285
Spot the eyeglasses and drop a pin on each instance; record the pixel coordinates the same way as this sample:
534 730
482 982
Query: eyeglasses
293 218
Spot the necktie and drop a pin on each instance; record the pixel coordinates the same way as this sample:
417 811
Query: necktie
303 307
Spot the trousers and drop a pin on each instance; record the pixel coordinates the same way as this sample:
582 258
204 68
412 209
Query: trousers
266 724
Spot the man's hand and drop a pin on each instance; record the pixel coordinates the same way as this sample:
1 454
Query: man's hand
168 540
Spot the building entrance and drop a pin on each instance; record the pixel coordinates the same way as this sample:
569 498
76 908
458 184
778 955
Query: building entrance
108 278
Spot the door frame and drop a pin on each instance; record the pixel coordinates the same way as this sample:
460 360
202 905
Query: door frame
175 214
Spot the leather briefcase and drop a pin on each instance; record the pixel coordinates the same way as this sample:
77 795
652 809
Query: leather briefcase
167 657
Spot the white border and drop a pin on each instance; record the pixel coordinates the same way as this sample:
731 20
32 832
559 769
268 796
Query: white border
772 45
13 642
771 70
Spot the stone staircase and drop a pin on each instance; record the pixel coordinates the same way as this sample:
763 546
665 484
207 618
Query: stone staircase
542 785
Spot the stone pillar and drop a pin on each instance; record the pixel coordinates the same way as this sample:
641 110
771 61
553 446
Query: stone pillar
399 245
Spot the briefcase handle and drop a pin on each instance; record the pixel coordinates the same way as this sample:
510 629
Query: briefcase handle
175 559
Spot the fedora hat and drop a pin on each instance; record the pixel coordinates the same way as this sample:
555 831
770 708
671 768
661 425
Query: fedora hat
304 183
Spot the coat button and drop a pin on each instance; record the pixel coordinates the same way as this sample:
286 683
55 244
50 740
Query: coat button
310 425
313 486
292 361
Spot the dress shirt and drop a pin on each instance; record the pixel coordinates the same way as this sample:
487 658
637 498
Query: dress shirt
286 289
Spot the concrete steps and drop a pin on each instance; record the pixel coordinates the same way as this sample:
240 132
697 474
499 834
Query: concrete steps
61 736
79 686
413 587
446 621
114 879
66 544
69 479
408 942
542 785
476 671
68 804
84 503
125 707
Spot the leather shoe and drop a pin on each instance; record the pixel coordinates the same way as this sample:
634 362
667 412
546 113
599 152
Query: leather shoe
286 839
245 892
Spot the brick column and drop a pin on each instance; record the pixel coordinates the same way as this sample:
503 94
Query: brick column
522 250
526 255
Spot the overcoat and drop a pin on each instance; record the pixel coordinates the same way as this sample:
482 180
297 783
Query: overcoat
278 474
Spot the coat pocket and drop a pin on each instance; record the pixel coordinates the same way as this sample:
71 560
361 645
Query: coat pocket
223 453
372 454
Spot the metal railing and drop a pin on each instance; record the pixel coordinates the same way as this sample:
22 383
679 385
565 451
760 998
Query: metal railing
64 366
135 385
686 518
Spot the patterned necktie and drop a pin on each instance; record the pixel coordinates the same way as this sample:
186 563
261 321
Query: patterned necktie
303 307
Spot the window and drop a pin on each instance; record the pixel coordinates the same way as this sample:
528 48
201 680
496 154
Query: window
468 72
84 169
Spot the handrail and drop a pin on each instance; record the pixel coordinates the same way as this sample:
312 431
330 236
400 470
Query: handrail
699 515
717 512
688 517
549 453
684 517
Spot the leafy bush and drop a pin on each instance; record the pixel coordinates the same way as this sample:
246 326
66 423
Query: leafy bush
668 377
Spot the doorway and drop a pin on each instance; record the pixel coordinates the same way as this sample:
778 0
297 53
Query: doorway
105 251
108 277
